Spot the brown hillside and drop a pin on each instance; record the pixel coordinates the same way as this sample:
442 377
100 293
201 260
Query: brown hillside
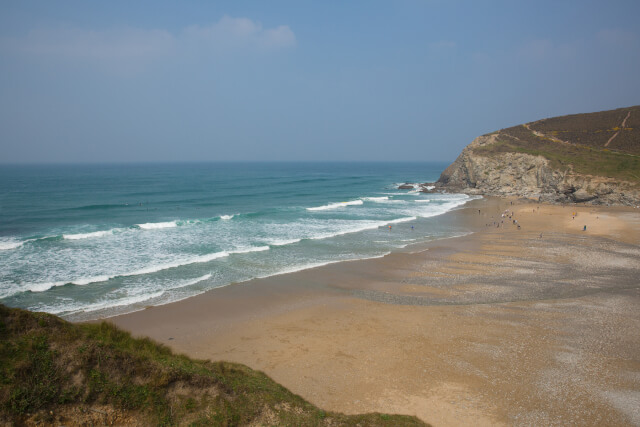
596 129
595 144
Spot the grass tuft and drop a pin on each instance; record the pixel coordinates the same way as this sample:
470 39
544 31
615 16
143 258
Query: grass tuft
52 371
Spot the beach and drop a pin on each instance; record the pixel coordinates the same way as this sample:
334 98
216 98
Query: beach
508 325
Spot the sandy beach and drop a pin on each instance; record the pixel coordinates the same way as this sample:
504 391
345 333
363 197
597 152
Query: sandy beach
529 325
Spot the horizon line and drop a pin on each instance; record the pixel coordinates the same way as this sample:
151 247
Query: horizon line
204 162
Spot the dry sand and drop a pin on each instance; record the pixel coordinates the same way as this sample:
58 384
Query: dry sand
500 327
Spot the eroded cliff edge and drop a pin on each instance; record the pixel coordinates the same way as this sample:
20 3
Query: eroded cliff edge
592 158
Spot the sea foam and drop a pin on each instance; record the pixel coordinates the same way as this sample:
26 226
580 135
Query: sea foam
97 259
362 226
192 281
137 299
336 205
87 235
158 225
6 245
45 286
284 242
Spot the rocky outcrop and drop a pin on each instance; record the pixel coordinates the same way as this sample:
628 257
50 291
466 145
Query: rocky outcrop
525 175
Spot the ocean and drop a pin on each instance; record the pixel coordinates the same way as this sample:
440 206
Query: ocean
91 241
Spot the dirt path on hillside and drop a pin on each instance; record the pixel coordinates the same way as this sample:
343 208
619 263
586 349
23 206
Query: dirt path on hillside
624 122
544 135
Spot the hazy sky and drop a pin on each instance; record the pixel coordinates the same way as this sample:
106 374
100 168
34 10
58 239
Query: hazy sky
113 81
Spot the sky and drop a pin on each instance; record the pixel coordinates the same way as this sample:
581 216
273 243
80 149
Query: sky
406 80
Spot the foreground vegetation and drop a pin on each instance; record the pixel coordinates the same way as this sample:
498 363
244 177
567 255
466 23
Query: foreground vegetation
55 372
578 143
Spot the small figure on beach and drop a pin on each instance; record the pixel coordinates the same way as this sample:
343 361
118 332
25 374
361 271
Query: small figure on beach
585 228
541 235
389 227
412 228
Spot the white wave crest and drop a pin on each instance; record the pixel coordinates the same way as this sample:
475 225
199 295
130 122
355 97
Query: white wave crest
439 208
253 249
375 199
192 281
108 304
362 226
336 205
284 242
423 201
399 220
87 235
226 217
6 245
86 281
169 265
42 287
158 225
295 269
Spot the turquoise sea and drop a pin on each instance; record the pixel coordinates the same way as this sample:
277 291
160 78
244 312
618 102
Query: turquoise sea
91 241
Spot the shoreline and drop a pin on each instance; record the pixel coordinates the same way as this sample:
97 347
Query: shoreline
434 330
123 310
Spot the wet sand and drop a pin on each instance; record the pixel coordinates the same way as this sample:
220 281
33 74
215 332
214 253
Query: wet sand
500 327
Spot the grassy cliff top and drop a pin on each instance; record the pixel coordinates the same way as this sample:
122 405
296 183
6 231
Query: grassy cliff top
606 143
55 372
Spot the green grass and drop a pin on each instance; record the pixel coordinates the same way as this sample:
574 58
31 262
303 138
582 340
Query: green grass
49 368
580 159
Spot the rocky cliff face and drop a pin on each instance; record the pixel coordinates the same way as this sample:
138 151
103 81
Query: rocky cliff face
525 175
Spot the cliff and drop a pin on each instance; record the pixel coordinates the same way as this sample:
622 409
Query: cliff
592 158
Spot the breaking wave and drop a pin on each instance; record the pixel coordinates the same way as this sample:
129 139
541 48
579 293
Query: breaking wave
336 205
